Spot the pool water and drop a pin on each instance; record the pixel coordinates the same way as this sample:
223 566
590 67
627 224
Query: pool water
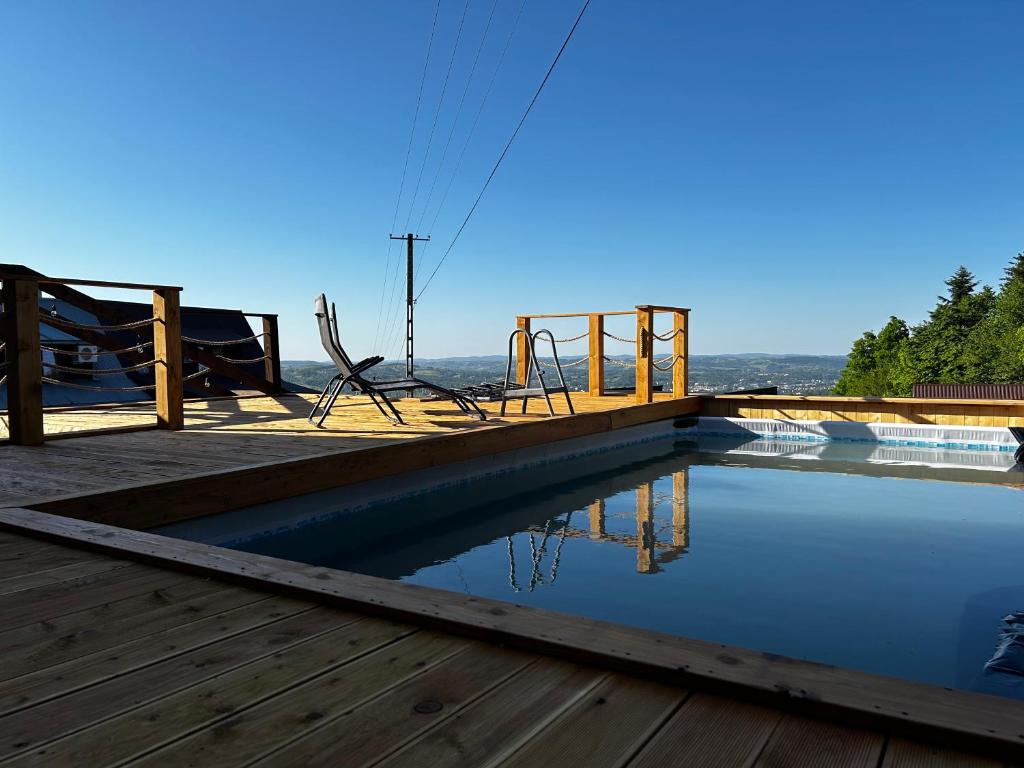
898 576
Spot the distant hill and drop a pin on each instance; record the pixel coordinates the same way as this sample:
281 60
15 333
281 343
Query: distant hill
792 374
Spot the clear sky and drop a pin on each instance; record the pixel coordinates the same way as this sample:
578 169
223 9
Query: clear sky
792 171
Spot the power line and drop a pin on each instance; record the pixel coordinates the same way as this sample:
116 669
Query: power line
392 314
440 102
508 146
405 168
458 114
476 119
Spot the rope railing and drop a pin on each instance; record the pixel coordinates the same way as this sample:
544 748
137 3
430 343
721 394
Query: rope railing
574 338
619 363
51 319
241 361
619 338
223 342
659 364
139 388
573 364
98 371
87 388
668 336
126 350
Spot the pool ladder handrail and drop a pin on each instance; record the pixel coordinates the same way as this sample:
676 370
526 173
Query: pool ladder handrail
513 390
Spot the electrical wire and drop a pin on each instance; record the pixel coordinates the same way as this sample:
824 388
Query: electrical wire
508 146
437 112
458 114
405 168
476 119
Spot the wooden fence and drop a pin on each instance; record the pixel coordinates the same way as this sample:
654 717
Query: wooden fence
25 372
646 337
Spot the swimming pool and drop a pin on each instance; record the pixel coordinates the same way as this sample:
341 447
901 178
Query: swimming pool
724 540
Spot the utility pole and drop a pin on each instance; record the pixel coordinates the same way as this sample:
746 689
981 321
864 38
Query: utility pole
409 300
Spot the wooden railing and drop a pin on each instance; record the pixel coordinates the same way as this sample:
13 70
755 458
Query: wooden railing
22 367
645 340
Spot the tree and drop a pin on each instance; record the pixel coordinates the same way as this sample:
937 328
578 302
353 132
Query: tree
971 336
961 285
874 362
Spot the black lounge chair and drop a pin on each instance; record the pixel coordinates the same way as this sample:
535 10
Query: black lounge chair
352 374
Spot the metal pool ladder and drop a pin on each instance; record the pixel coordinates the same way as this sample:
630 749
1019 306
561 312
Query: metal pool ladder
514 391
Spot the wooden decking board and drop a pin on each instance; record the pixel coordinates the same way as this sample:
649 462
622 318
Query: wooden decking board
714 731
497 724
902 753
816 744
44 603
62 573
55 640
109 658
153 725
358 712
74 711
603 729
366 732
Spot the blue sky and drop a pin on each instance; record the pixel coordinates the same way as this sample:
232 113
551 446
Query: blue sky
793 172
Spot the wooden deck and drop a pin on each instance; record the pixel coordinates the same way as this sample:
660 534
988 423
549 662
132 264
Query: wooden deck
123 647
224 437
110 660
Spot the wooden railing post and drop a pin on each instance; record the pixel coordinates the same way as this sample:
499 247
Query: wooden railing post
681 353
596 363
272 350
644 354
522 350
170 409
25 370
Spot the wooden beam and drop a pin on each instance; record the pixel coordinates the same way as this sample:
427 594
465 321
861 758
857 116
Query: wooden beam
661 308
644 355
272 350
681 350
17 271
170 410
577 314
596 353
25 365
522 349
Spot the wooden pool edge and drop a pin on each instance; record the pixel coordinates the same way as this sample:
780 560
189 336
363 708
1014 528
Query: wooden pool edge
151 504
951 718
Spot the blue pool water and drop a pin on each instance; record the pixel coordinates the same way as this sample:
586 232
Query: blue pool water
906 577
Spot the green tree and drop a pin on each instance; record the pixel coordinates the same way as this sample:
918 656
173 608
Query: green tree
874 364
971 336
